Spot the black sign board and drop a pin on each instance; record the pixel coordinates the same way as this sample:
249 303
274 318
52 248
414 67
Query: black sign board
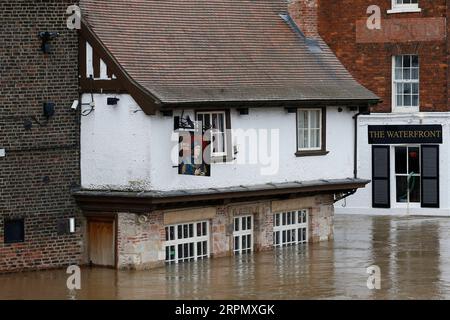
396 134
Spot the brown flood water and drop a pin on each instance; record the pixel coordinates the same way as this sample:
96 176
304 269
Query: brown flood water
412 252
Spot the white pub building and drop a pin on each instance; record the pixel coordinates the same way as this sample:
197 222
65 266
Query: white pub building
166 81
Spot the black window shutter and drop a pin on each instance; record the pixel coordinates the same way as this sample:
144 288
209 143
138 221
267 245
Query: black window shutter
381 190
430 176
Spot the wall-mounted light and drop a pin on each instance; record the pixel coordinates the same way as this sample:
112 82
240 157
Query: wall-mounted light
183 123
71 225
46 37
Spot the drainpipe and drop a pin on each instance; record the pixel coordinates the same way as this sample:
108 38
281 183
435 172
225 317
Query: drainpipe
366 111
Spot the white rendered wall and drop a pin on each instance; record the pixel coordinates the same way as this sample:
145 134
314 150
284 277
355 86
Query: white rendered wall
361 202
122 148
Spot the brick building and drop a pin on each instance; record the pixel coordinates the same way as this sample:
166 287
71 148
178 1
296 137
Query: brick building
403 144
39 157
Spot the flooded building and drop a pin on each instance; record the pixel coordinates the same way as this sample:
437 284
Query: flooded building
399 50
40 223
164 82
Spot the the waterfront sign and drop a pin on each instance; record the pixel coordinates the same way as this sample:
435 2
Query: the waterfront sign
394 134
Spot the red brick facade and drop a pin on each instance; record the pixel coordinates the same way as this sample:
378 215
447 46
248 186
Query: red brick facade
371 63
41 164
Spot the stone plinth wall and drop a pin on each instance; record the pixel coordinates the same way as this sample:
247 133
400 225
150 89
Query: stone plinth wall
140 240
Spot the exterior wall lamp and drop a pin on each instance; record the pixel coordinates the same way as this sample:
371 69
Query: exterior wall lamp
46 37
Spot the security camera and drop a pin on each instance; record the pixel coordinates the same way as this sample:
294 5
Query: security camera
75 105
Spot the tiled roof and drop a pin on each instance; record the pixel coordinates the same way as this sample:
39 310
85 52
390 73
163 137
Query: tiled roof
184 51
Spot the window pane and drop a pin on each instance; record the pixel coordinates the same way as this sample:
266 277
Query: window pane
398 61
406 61
415 100
398 74
399 100
415 59
302 119
401 188
400 160
415 74
406 74
414 189
315 138
414 163
407 100
407 88
315 119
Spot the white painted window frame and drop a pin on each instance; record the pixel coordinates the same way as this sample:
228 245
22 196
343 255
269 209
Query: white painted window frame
299 111
240 233
216 131
195 239
403 109
293 227
403 7
394 178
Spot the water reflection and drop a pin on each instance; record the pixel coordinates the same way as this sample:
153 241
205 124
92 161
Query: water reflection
413 254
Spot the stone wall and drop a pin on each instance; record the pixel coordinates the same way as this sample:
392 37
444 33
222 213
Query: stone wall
140 243
141 240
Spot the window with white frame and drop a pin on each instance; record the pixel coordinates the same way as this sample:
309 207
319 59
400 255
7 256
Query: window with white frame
290 228
243 234
215 121
187 242
404 6
405 86
309 126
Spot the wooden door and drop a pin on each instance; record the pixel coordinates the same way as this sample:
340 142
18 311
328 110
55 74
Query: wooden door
101 242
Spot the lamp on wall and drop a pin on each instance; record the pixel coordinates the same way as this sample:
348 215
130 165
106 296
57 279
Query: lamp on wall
46 37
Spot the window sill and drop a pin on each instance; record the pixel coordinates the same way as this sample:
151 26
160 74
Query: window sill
404 10
405 110
312 153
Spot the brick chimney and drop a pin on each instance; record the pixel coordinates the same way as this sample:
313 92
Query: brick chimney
304 13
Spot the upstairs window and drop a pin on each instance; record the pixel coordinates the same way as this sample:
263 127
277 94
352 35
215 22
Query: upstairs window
311 132
405 86
399 6
218 123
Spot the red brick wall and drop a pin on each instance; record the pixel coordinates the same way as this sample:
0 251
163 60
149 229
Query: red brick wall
371 63
41 164
304 13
